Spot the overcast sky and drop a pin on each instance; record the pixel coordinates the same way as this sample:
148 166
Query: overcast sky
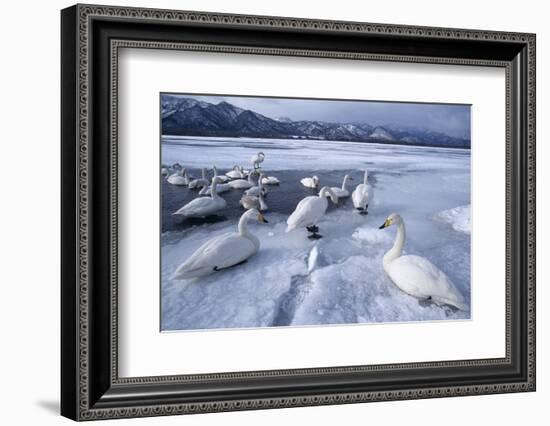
453 120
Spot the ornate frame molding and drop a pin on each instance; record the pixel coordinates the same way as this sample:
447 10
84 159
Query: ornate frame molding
87 409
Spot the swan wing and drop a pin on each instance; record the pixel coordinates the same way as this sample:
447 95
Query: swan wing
240 184
419 277
307 182
201 206
255 190
249 201
218 253
308 211
339 192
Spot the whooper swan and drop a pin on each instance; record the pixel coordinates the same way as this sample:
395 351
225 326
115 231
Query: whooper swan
416 275
309 211
222 252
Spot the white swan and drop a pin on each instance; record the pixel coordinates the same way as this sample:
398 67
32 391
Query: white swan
310 182
252 202
257 189
222 252
343 191
270 180
309 211
235 173
361 195
220 188
257 159
199 183
242 183
416 275
203 206
221 178
179 178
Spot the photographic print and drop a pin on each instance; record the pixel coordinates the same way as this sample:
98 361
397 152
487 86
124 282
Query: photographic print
306 212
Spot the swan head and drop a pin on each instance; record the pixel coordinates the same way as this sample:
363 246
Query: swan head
347 178
255 214
261 154
392 219
315 181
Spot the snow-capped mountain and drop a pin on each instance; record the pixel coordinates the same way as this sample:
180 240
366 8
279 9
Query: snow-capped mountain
381 133
190 117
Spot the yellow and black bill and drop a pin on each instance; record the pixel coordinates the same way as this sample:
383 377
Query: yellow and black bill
262 218
386 223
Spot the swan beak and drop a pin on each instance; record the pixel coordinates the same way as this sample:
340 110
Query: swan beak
262 219
385 224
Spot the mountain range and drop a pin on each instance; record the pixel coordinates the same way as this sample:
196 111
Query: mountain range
191 117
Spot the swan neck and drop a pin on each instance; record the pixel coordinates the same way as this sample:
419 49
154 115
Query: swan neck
397 248
244 231
326 190
365 178
214 189
344 183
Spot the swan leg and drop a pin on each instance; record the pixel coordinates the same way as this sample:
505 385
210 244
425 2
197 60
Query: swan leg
314 229
363 211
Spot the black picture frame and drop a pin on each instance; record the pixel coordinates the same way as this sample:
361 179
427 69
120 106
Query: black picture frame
90 386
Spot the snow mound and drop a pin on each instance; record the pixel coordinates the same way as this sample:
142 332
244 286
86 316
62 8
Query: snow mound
358 291
458 218
372 235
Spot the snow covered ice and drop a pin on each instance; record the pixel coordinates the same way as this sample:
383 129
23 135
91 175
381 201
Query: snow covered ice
293 281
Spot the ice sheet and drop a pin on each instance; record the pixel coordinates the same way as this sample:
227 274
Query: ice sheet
339 279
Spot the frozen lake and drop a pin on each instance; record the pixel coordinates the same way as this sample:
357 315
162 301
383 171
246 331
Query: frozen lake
282 285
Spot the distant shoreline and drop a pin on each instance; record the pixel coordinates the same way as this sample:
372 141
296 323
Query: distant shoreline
370 141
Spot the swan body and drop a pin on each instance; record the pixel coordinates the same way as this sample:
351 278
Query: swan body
242 183
220 189
416 275
310 182
253 202
310 210
361 193
199 183
203 206
179 178
222 252
343 191
257 189
235 173
257 159
270 180
220 179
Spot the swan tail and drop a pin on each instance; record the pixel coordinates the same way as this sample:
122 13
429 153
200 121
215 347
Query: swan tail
192 273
